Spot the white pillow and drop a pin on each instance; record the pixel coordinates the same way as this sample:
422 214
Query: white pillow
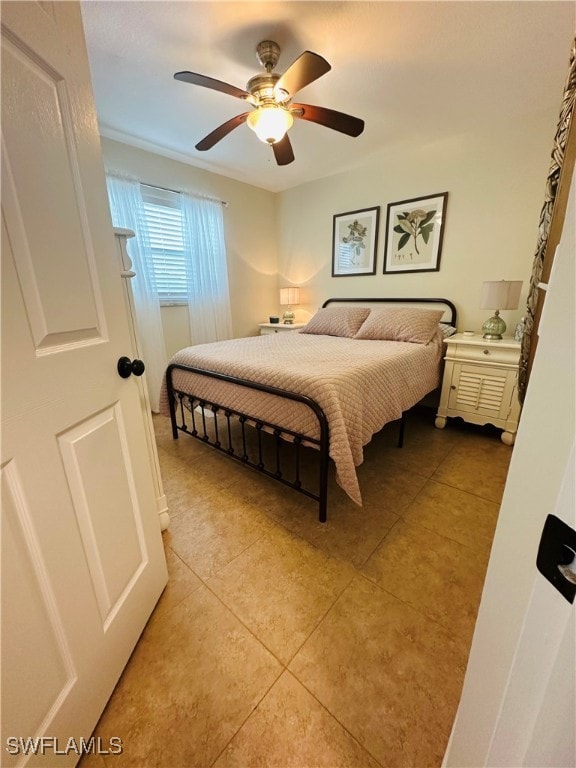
446 330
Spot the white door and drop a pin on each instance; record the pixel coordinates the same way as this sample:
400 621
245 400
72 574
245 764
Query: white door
82 557
519 697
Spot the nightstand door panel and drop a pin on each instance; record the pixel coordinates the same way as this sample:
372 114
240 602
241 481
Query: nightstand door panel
486 391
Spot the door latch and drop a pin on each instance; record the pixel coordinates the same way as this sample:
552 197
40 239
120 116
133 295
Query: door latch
556 559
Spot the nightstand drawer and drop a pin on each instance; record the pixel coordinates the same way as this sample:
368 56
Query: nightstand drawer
490 355
266 328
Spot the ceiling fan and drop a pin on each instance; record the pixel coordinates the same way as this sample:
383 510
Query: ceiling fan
270 94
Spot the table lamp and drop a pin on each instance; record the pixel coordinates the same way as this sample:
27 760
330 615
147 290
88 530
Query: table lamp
499 294
288 298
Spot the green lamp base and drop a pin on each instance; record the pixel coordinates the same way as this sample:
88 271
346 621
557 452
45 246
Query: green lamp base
494 328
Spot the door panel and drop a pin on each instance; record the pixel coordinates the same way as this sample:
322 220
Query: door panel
97 465
53 251
488 392
478 392
37 667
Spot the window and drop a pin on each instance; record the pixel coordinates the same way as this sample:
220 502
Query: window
164 225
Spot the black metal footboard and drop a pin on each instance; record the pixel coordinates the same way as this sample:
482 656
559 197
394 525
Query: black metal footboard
199 418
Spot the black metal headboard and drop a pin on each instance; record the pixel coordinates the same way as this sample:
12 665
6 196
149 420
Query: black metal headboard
450 312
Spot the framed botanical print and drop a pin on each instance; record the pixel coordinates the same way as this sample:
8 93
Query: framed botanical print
414 232
354 242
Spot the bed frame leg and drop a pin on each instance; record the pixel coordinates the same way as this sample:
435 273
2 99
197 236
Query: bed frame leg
323 503
171 402
324 461
401 433
173 422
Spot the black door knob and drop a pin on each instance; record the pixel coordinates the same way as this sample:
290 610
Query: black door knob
126 367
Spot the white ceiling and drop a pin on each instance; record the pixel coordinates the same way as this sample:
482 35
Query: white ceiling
414 71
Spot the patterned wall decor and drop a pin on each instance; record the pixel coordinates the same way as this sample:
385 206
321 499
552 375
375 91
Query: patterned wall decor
546 214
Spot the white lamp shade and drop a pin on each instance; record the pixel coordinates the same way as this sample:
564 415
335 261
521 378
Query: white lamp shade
501 294
270 123
289 296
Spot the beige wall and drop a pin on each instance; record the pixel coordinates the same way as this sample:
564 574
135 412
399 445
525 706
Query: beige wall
495 178
250 231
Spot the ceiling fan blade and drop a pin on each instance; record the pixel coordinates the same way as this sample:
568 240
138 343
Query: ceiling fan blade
220 132
307 68
338 121
283 151
215 85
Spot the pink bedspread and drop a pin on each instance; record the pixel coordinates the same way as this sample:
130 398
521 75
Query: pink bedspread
360 385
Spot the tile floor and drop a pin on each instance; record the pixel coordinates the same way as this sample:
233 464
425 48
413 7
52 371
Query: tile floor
280 641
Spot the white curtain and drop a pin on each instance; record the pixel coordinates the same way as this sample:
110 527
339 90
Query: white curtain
208 293
127 209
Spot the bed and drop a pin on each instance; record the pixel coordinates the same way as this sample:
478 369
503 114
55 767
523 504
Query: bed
266 400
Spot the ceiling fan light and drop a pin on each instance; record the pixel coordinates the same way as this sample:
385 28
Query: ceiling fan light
270 123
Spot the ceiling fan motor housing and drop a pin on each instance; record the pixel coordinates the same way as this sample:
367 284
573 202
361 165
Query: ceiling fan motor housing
268 53
262 87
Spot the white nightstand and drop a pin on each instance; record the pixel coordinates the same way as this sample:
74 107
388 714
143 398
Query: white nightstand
278 327
480 383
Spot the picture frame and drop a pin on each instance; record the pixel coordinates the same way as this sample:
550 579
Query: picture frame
414 234
354 242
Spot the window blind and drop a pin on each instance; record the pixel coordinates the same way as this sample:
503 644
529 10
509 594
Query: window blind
164 225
